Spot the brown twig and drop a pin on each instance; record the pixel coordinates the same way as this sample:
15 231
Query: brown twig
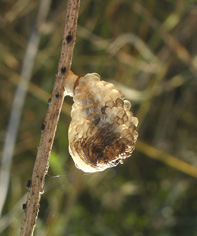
49 126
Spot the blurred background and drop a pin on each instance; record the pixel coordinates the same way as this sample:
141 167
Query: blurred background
149 50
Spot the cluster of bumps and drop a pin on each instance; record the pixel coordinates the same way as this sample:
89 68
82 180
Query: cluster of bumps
102 132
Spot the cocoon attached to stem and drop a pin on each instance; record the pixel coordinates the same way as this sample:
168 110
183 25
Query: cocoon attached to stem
102 132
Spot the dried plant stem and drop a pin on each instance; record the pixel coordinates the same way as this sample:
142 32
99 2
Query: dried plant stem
51 120
170 160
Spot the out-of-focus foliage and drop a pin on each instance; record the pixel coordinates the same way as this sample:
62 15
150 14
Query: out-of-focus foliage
146 46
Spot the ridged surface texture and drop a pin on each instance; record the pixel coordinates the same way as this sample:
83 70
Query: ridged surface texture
102 132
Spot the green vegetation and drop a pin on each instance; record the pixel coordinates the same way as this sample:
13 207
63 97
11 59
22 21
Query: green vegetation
145 46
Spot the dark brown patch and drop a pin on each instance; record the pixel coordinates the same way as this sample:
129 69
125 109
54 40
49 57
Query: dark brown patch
63 70
96 119
24 206
57 95
28 186
119 102
69 38
42 127
103 109
49 101
105 147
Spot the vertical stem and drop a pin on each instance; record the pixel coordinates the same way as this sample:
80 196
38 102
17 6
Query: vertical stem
49 126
